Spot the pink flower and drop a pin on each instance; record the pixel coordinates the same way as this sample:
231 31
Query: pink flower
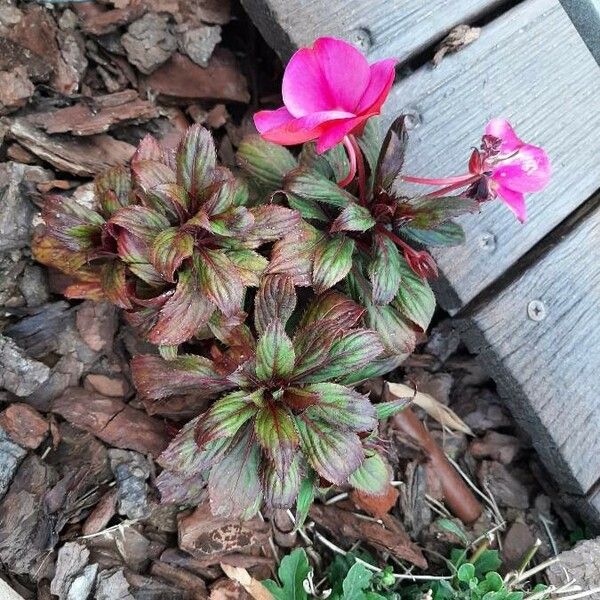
512 167
329 91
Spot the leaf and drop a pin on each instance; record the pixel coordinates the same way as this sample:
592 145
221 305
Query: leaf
353 218
113 189
388 409
415 299
50 251
372 477
254 587
114 284
275 432
148 149
376 368
294 254
264 161
176 488
134 252
428 213
451 526
446 234
308 209
140 221
219 280
281 489
250 265
349 353
489 560
385 269
314 186
183 314
333 164
275 300
274 353
233 484
391 156
312 345
333 261
435 409
233 223
226 416
196 160
331 452
394 331
157 378
147 174
341 406
305 499
271 223
370 142
169 199
169 249
333 306
292 572
465 572
357 580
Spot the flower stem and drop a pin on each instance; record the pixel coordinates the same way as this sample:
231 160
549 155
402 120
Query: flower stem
360 163
352 157
442 181
454 186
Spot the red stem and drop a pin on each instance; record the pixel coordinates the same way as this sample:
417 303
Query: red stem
449 188
352 156
442 181
394 238
360 163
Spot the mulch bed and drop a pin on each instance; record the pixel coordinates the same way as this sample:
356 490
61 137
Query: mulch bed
80 515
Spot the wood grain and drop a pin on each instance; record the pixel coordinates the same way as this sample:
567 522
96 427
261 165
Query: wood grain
381 28
585 15
547 364
530 66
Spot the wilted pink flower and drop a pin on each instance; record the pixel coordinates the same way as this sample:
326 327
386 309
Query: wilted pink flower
329 91
509 167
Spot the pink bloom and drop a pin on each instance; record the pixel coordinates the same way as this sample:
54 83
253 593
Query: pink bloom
329 91
513 167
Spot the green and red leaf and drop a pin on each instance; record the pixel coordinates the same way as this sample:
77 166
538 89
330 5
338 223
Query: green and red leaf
219 280
353 218
281 489
415 299
169 249
385 269
140 221
271 223
333 261
114 284
311 184
333 306
196 160
274 353
333 453
250 265
148 174
275 300
312 346
391 155
113 190
372 477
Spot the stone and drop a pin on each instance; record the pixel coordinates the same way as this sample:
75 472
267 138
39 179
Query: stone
131 470
19 373
74 578
198 42
581 563
149 42
507 490
15 89
517 541
112 585
11 455
97 324
34 286
24 425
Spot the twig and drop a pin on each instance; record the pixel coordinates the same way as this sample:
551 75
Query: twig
546 523
527 574
583 594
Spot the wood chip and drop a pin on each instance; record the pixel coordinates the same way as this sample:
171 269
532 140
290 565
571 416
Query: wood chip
83 157
113 421
20 374
181 78
103 22
254 587
102 513
96 115
389 537
24 425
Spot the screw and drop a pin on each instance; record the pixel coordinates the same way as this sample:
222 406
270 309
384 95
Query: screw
362 37
536 310
487 241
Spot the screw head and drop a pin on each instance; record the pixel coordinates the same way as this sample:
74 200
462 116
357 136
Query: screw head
362 37
487 241
536 310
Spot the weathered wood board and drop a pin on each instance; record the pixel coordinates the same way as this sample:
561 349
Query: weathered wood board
531 66
586 17
382 28
541 337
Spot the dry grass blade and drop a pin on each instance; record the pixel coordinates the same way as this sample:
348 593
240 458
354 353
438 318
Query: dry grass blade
254 587
435 409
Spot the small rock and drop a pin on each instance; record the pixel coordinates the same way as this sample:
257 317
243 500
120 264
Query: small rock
15 89
497 446
217 116
116 387
149 42
112 585
74 578
443 341
97 324
20 374
506 489
517 541
582 563
34 286
24 425
198 42
131 470
11 455
482 410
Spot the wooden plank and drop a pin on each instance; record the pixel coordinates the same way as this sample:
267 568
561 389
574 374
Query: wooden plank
382 28
540 339
530 66
585 15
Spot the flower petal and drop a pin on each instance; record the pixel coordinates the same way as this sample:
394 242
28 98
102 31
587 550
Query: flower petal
514 200
527 171
303 129
334 131
345 70
382 75
270 119
502 129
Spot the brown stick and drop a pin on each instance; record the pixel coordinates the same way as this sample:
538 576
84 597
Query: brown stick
459 497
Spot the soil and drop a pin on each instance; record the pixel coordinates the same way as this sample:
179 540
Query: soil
80 516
